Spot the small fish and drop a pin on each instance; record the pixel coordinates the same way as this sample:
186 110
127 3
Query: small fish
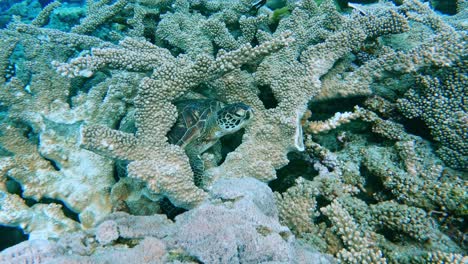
259 3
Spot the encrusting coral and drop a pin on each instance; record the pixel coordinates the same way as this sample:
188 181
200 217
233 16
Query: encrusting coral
87 102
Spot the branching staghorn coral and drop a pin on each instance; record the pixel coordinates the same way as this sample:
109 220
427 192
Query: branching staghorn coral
132 55
43 18
294 77
423 182
98 13
441 106
360 247
297 207
300 82
406 223
441 102
163 166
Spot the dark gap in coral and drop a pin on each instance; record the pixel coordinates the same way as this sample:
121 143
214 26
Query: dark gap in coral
149 32
448 7
234 29
129 14
3 109
373 138
98 77
321 218
165 8
372 186
342 4
149 35
250 68
29 133
329 141
267 97
28 201
10 236
75 83
169 209
416 126
272 26
230 142
120 19
297 167
127 123
119 122
456 228
120 169
130 243
199 9
66 211
116 171
321 201
175 51
81 84
255 42
13 186
53 163
397 2
343 136
390 234
322 110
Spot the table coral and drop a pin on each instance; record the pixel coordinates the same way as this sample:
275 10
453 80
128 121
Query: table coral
440 101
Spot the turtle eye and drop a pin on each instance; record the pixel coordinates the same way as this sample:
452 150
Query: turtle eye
240 112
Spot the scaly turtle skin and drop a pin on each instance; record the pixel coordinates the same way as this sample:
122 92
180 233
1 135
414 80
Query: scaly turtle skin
202 123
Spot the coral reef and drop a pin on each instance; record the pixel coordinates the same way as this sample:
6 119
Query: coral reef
356 153
242 227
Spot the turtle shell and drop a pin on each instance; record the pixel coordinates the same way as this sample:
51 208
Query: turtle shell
192 122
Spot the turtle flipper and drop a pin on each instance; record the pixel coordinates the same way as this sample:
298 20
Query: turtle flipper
198 167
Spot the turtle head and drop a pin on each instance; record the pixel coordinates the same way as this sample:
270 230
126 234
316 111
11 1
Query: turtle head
233 117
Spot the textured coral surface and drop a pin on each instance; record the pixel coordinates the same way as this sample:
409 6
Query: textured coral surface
357 151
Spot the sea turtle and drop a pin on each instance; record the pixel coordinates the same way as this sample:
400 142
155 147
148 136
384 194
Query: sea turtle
201 123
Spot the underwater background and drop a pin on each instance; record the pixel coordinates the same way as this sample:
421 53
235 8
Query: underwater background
356 151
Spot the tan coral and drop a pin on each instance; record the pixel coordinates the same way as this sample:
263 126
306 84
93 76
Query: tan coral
359 246
162 166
